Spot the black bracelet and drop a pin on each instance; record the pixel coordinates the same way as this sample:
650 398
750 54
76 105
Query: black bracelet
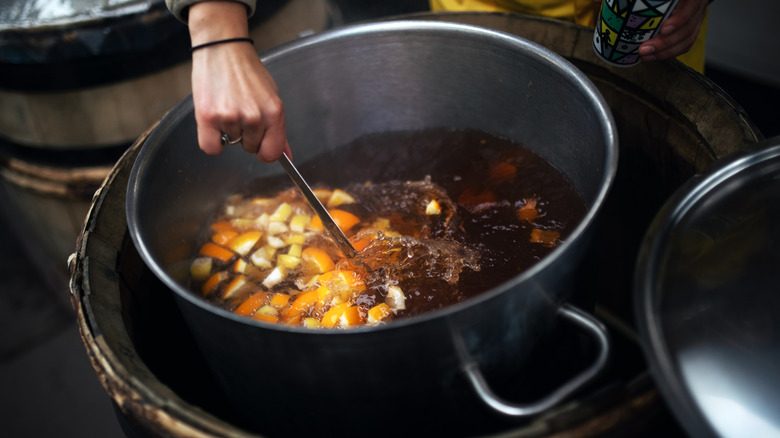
229 40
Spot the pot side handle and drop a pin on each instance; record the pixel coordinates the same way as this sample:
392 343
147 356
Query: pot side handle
587 322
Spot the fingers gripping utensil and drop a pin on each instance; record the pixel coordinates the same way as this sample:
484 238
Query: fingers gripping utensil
327 221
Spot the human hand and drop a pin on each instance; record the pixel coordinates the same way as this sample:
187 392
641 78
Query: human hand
677 33
233 93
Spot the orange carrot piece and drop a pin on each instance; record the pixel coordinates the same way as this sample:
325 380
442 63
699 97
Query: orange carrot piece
266 318
223 237
352 316
244 242
547 238
301 303
344 219
251 304
528 211
210 284
378 313
235 284
318 258
279 300
331 317
473 200
215 251
503 172
221 226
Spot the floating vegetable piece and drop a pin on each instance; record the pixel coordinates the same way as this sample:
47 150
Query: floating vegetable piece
212 250
352 316
271 319
299 222
395 298
211 284
476 201
282 213
200 268
339 197
502 172
548 238
252 304
433 208
279 300
318 259
275 277
221 226
528 212
344 219
379 312
224 237
243 243
332 316
234 286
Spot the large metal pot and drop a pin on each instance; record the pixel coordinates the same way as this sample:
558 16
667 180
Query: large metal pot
338 86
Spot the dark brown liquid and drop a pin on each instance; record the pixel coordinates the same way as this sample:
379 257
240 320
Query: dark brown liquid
461 163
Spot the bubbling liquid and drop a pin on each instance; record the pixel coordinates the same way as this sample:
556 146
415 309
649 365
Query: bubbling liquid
439 216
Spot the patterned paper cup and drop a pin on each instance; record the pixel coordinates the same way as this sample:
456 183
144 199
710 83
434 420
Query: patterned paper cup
623 25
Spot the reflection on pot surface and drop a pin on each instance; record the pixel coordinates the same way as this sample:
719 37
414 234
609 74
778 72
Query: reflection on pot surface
465 227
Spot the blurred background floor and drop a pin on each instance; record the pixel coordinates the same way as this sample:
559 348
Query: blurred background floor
48 385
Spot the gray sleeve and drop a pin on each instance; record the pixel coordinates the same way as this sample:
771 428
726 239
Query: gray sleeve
179 7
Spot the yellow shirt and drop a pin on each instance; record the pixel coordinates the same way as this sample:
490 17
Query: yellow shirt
578 11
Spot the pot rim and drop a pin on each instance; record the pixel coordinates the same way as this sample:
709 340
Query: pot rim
565 68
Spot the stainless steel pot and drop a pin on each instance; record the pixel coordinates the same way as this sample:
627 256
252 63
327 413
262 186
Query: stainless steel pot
338 86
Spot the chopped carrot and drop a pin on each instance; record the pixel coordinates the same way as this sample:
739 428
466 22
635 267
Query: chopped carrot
223 237
251 304
503 172
547 238
244 242
475 201
240 266
221 226
266 318
332 316
279 300
218 252
344 219
235 284
352 316
343 276
378 313
301 303
528 211
317 258
212 282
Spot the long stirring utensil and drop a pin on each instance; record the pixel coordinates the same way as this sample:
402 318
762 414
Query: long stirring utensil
327 221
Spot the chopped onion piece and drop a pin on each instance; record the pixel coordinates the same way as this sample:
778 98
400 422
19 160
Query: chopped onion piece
395 298
275 277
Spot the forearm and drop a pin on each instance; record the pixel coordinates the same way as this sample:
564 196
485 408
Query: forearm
180 8
217 20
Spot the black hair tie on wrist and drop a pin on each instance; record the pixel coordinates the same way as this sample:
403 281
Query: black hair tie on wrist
229 40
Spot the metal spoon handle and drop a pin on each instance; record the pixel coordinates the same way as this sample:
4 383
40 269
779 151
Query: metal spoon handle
327 221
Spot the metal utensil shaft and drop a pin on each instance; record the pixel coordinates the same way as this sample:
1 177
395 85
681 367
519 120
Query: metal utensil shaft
327 221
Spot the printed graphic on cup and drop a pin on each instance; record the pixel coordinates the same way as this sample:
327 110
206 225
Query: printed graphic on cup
623 25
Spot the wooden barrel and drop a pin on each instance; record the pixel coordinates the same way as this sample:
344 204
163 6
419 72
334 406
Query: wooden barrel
672 124
62 126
